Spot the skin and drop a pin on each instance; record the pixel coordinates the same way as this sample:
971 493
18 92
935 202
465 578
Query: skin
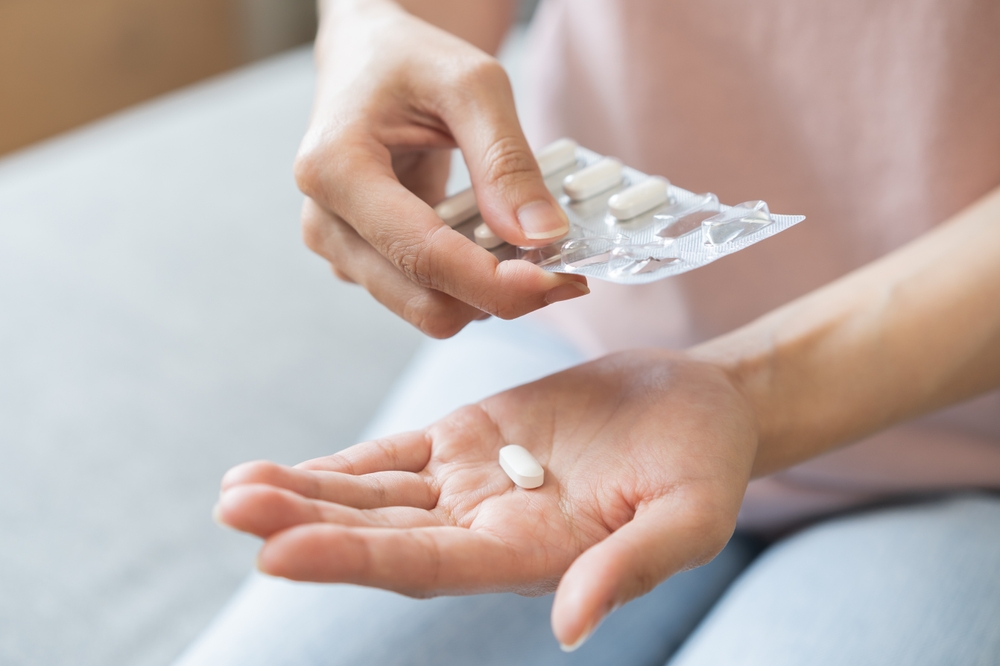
647 453
395 95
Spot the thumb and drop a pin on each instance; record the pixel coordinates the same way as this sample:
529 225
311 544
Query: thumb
512 195
661 540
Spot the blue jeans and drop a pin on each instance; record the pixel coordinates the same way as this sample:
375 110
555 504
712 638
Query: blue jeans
916 584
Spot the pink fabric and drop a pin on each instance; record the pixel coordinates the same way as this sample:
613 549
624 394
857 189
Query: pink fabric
876 120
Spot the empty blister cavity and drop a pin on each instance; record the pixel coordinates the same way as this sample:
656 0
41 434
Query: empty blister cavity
642 259
547 255
486 238
521 466
686 216
556 156
739 221
592 180
669 229
457 209
578 253
638 199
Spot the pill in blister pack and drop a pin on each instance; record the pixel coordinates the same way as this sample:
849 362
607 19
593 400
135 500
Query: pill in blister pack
638 199
625 226
593 179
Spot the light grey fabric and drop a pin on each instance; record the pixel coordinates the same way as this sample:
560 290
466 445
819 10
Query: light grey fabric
277 622
913 584
273 621
160 320
916 585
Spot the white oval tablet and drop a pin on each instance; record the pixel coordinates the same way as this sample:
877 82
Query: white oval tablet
639 199
486 238
459 208
594 179
556 156
521 466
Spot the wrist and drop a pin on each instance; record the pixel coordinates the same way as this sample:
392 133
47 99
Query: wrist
334 15
750 367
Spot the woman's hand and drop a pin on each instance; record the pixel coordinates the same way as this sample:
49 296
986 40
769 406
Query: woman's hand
646 455
395 95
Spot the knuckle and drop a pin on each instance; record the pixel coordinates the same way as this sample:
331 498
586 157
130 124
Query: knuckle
503 309
491 299
411 258
431 316
439 327
342 463
479 73
410 253
388 452
379 493
308 171
325 235
434 559
322 163
508 162
341 275
314 231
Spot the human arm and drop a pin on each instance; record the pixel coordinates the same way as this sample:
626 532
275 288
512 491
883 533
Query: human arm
394 95
483 23
914 331
647 453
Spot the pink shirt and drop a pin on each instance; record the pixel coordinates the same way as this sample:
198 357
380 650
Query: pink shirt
876 120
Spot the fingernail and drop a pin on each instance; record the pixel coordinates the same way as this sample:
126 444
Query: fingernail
583 637
590 630
564 292
540 220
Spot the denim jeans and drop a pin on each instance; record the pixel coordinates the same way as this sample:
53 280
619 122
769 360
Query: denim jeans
912 584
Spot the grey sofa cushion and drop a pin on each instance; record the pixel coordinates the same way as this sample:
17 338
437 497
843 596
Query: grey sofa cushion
160 321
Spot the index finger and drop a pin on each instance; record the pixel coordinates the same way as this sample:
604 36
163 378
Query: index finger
408 232
406 452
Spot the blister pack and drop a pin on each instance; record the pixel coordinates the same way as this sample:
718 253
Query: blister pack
625 226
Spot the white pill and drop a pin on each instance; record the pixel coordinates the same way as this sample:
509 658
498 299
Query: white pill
639 199
594 179
521 466
458 208
556 156
486 238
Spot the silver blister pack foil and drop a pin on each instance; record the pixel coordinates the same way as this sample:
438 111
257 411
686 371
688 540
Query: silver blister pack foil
684 232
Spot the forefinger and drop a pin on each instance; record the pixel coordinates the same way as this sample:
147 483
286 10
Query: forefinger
408 232
405 452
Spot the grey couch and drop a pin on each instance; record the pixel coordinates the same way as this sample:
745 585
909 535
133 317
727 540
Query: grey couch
161 321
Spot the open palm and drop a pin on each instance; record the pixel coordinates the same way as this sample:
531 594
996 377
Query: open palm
646 456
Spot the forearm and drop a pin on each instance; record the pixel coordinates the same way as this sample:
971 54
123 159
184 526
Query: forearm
483 23
914 331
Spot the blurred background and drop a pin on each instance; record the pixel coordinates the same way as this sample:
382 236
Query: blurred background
66 62
160 319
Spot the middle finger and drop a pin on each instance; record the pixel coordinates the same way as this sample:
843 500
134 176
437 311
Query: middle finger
264 510
367 491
